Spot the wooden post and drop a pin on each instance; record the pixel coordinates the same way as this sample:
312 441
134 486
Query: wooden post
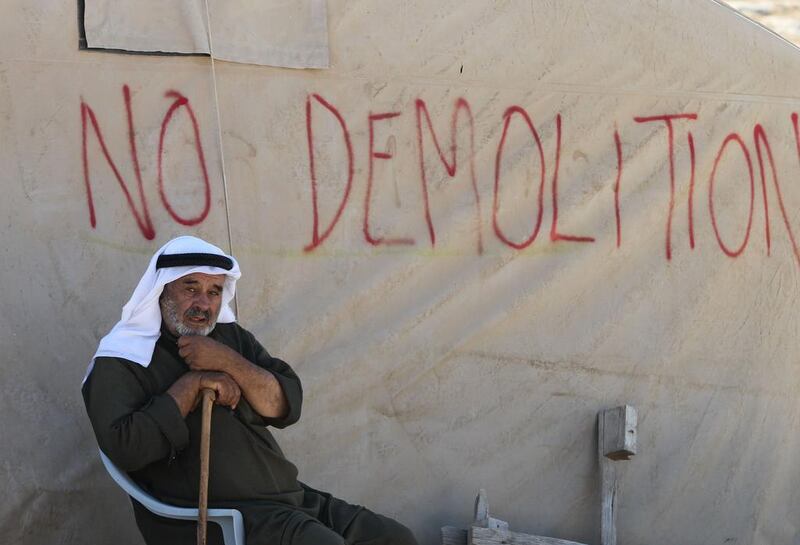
205 444
482 517
616 440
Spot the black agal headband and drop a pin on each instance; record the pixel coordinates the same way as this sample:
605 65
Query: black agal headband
194 260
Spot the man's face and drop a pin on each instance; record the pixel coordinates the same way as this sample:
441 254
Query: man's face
190 305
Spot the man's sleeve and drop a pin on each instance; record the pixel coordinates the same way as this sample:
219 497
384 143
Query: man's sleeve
132 428
289 381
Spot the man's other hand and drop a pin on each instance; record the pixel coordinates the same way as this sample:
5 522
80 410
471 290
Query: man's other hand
186 390
260 387
205 354
228 392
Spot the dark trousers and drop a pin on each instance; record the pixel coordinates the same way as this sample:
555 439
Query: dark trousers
321 520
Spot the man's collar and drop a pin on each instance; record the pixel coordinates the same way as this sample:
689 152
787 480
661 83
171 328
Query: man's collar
167 335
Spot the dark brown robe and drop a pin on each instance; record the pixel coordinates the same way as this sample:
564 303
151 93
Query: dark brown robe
139 427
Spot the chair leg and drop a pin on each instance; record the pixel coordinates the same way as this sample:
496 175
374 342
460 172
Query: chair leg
228 533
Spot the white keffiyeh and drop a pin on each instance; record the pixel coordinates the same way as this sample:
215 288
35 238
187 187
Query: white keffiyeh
135 335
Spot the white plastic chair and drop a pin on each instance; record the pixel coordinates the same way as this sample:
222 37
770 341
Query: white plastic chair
229 519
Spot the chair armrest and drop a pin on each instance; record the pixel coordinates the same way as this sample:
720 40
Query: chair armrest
230 519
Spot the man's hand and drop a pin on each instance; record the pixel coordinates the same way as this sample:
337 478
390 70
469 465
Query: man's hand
205 354
186 390
228 392
259 386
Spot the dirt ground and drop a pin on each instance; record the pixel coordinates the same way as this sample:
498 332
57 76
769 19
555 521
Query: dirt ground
781 16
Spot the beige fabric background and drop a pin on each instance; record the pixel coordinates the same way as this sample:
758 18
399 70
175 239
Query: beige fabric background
432 369
288 33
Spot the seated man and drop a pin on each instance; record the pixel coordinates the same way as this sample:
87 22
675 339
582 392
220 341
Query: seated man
177 336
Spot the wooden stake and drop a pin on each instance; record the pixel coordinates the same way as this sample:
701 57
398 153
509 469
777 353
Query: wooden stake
205 443
616 440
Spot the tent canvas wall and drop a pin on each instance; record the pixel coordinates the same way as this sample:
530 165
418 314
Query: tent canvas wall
482 224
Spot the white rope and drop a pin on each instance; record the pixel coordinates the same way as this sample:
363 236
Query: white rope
219 142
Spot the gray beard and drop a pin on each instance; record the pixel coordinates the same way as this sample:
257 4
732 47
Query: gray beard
169 313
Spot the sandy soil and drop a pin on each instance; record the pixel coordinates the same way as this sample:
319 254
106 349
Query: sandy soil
781 16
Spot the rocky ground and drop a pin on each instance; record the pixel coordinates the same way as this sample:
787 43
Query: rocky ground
781 16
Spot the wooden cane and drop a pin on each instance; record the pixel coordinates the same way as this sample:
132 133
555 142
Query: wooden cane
205 442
